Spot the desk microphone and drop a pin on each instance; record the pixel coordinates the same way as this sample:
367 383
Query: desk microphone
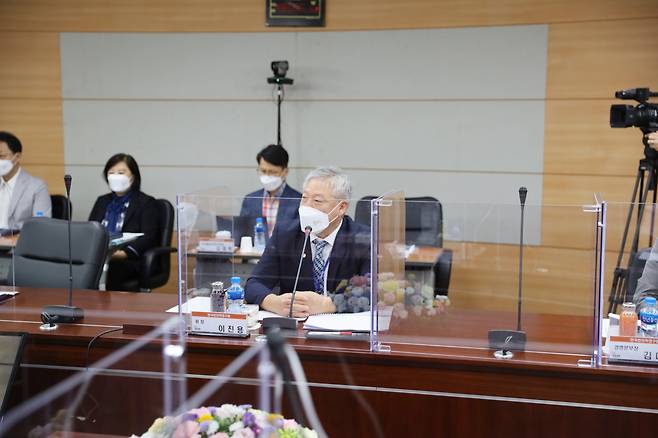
60 313
506 340
283 322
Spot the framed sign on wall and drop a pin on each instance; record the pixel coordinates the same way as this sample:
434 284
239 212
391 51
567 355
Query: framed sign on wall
301 13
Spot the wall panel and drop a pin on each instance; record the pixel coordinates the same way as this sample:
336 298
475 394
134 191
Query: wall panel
249 15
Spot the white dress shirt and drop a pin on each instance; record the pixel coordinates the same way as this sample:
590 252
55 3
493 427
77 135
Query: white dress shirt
330 239
6 190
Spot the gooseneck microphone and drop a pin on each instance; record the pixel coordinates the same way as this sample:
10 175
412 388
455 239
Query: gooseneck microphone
504 341
64 313
67 184
289 323
307 233
523 192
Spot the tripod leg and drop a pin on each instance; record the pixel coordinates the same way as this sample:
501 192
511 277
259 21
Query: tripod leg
619 273
654 180
640 213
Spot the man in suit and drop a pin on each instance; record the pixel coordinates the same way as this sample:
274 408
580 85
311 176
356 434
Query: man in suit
21 194
277 202
338 249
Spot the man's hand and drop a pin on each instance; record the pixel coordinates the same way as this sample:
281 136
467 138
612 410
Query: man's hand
306 303
315 302
652 139
280 304
120 255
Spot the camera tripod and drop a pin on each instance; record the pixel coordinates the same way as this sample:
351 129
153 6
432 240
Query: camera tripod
648 168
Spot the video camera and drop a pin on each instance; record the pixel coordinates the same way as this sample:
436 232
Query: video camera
643 116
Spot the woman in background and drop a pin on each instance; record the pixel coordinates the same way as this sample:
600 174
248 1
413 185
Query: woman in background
126 210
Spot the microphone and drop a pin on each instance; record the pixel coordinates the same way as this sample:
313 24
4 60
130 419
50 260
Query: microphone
505 340
307 233
283 322
60 313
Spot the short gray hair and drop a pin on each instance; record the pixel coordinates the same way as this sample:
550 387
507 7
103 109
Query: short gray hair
341 187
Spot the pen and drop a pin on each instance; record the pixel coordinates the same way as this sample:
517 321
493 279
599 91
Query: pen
345 335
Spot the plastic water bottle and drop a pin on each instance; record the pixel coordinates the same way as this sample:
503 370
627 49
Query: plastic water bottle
259 234
649 317
235 296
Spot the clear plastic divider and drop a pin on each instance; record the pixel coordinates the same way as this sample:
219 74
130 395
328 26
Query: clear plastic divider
457 286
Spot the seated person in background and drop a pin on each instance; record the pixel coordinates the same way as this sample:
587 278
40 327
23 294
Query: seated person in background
647 285
21 194
277 201
338 249
126 210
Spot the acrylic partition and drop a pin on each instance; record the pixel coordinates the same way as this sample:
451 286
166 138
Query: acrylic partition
217 241
447 280
120 394
631 276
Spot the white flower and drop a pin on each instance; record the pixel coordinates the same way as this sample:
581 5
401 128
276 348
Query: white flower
212 427
308 433
238 425
229 411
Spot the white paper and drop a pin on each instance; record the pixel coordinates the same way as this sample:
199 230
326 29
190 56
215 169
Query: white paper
356 322
196 304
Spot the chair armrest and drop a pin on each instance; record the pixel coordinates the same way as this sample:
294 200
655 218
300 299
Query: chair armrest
148 262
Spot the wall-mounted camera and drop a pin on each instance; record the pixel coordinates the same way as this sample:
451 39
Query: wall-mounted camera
280 69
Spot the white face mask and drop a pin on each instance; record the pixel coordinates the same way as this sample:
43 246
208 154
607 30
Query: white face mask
5 167
270 182
118 183
314 218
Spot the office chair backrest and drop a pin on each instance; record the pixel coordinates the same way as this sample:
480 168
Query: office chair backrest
60 210
41 257
423 219
167 221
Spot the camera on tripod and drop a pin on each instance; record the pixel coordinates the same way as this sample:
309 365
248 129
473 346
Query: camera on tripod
643 116
280 69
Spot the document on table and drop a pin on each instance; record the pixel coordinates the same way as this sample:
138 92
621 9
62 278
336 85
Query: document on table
196 304
355 322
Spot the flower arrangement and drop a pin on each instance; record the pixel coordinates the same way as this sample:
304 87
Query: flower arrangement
227 421
403 296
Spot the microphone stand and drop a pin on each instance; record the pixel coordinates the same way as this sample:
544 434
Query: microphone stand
283 322
63 313
503 341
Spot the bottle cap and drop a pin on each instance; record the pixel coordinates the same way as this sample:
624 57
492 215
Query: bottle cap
259 220
628 306
39 213
650 301
237 280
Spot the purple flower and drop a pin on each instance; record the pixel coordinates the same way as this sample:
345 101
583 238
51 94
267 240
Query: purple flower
189 417
203 427
249 420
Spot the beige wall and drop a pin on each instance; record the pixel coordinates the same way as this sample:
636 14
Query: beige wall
595 47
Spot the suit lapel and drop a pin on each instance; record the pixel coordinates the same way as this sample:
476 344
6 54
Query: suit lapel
19 189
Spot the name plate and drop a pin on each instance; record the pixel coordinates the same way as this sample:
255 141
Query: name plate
632 349
220 324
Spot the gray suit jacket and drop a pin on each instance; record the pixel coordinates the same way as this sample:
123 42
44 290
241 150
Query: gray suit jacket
30 196
647 285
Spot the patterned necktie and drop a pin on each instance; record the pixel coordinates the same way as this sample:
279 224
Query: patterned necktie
319 265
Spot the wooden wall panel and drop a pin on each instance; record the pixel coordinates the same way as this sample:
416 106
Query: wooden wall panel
38 124
556 280
249 15
592 60
579 140
30 64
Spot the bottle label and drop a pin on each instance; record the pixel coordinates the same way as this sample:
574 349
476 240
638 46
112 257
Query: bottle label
649 317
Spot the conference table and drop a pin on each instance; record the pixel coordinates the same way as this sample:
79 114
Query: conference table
445 383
